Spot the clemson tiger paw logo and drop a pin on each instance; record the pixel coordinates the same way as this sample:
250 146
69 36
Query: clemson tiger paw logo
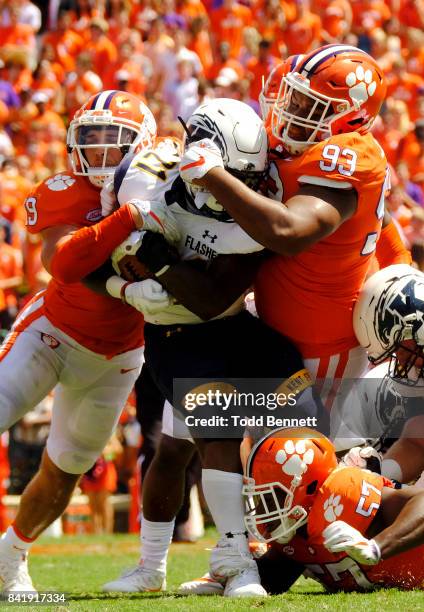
60 182
294 458
361 85
332 508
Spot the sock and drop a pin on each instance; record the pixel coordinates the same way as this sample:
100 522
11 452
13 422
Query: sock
15 542
155 541
222 492
391 469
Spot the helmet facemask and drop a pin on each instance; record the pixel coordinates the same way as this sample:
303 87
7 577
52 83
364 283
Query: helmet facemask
302 112
109 138
269 511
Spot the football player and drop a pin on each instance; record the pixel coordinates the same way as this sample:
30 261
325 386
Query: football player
87 346
205 333
388 403
346 527
349 527
332 177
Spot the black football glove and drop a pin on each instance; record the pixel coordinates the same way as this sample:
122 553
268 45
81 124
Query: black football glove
156 253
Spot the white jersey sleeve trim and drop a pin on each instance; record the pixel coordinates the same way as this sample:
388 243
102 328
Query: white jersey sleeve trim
324 182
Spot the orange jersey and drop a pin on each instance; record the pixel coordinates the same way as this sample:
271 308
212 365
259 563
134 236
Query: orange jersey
351 495
11 264
309 297
102 324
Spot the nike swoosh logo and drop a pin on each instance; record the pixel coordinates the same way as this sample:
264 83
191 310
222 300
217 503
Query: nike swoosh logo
125 370
199 162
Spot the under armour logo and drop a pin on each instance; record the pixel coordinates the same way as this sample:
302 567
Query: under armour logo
206 234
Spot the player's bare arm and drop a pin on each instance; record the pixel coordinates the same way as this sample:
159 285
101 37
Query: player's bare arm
309 216
403 512
208 290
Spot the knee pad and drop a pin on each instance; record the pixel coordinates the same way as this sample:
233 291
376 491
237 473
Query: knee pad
71 461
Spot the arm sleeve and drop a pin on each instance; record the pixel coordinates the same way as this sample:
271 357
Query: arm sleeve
390 248
87 248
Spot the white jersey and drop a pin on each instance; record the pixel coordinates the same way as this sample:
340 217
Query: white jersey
378 406
153 175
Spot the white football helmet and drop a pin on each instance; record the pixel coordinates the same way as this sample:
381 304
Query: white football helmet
388 320
241 137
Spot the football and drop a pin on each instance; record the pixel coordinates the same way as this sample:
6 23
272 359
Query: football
131 269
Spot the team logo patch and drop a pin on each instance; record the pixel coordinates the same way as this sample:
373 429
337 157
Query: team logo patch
94 215
361 85
288 550
332 508
50 341
60 182
294 458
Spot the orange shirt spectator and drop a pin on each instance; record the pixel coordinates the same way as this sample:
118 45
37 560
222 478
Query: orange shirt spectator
81 84
13 191
225 61
102 50
336 20
402 85
52 122
271 18
17 34
304 33
45 79
66 43
11 274
228 23
369 14
411 150
191 9
258 68
126 64
200 42
411 13
16 72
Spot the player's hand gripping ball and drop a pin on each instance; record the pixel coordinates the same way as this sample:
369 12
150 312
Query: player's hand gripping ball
142 255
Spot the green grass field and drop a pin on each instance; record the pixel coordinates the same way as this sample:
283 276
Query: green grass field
79 565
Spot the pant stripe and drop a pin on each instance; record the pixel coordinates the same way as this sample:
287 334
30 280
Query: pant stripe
340 370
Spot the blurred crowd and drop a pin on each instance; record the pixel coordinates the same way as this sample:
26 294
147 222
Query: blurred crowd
174 54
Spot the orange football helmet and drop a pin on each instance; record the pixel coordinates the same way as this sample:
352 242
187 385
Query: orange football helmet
271 86
334 89
107 127
284 471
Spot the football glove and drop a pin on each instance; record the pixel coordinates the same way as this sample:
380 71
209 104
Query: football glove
150 249
341 537
130 246
148 296
366 458
108 199
156 217
198 159
156 253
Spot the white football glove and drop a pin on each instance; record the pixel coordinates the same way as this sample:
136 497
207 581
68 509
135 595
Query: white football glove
157 217
108 199
360 457
130 246
341 537
198 159
147 296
